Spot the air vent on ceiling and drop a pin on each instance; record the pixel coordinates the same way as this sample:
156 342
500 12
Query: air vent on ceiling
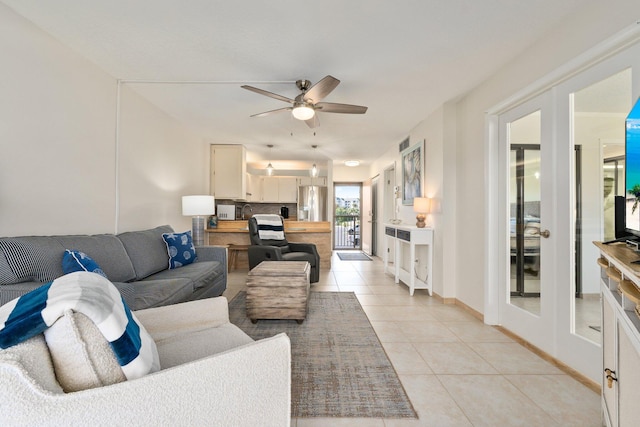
404 145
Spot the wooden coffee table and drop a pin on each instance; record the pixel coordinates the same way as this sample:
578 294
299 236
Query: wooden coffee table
278 290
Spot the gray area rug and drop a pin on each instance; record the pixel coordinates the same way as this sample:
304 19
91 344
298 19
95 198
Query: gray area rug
353 256
338 366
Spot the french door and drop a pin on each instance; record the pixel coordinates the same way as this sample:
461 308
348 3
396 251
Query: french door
526 298
553 194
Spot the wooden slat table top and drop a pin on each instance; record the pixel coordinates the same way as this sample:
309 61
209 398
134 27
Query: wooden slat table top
280 268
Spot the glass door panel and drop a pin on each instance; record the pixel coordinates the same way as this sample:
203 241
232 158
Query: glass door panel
524 190
598 113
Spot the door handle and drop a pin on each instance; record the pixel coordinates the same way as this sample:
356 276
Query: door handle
543 233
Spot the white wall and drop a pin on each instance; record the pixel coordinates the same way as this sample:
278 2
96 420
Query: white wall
343 173
57 134
159 162
59 164
438 166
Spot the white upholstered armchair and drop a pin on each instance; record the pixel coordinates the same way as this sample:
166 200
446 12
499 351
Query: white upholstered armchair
211 374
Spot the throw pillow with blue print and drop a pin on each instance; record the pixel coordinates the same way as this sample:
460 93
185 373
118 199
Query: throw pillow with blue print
180 248
73 261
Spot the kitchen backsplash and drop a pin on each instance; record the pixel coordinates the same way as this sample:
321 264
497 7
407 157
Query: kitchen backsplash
259 208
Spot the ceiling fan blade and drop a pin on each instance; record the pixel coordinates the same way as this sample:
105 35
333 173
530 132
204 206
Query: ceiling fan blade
267 93
266 113
331 107
321 89
313 121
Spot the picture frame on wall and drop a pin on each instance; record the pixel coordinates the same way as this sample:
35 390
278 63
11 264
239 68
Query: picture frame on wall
412 171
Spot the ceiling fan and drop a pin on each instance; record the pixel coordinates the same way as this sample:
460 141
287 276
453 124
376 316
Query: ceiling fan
305 105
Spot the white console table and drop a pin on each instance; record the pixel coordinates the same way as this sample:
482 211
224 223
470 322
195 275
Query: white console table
404 239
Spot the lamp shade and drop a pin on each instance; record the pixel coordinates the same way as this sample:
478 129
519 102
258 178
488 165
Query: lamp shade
422 204
198 205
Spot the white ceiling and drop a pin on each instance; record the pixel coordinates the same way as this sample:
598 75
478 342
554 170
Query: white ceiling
402 59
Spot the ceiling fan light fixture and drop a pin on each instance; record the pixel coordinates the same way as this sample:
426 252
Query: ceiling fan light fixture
303 112
352 163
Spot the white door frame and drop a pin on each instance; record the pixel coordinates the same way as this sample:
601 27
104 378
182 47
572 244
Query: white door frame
366 233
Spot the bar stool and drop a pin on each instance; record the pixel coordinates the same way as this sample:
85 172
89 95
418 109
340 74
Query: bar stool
233 254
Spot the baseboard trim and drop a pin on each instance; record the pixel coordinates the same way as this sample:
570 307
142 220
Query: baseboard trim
456 301
582 379
586 381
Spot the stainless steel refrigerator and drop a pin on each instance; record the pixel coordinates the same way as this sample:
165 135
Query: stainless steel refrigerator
312 203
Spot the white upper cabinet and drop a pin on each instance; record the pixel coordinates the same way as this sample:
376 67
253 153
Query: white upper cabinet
254 188
270 189
307 180
228 172
279 189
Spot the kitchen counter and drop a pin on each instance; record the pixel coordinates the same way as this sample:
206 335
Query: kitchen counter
241 226
237 233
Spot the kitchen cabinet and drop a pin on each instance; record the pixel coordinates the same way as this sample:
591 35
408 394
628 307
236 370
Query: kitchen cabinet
307 180
277 189
254 188
620 335
228 171
287 190
270 189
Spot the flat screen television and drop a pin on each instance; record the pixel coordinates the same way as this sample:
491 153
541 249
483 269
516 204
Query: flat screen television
632 171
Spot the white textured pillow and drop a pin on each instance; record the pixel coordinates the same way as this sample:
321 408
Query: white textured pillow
34 356
82 357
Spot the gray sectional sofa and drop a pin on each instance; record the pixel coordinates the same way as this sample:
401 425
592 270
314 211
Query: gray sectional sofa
136 262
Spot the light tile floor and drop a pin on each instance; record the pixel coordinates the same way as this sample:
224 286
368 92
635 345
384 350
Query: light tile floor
456 370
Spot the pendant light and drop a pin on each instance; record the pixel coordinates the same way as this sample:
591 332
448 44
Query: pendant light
314 169
270 166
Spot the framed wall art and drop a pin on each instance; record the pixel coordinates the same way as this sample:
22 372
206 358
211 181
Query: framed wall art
412 165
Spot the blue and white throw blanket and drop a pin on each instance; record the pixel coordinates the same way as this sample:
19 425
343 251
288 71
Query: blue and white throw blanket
270 227
95 297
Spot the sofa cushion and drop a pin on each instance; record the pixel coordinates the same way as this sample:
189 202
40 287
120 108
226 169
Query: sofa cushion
147 250
183 348
200 274
73 261
107 250
179 248
36 258
156 293
82 357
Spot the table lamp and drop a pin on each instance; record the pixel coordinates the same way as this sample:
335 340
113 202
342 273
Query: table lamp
198 207
421 205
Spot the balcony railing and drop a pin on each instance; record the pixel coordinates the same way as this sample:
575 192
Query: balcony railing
346 232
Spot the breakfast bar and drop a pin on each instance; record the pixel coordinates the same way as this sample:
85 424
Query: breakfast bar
236 232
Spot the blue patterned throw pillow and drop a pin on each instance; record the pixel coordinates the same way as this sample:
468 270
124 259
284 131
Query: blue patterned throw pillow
73 261
180 248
